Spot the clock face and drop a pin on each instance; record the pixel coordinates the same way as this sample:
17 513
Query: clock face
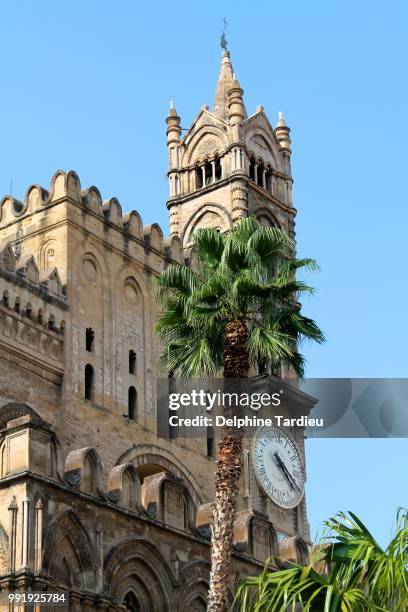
278 466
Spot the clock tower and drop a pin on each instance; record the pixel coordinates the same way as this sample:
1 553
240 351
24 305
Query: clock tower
229 165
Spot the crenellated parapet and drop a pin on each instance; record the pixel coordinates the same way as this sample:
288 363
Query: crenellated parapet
65 189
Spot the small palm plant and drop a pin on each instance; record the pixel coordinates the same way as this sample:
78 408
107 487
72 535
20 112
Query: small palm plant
350 572
235 307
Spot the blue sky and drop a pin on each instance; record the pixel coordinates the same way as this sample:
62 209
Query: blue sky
86 86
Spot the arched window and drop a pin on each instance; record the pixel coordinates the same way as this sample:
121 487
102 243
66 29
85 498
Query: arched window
131 603
198 177
29 311
89 339
252 169
208 172
40 317
218 169
6 299
132 404
89 383
51 323
132 362
17 304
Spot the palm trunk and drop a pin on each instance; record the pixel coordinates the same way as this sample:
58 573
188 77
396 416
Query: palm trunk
227 475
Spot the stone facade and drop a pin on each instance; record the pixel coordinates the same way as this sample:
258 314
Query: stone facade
91 501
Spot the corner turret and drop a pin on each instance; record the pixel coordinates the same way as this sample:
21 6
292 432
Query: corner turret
173 142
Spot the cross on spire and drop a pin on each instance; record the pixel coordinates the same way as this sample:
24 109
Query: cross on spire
224 42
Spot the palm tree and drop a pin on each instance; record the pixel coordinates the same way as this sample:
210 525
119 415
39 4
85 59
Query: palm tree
350 572
236 308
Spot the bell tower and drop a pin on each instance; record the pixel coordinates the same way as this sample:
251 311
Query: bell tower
228 165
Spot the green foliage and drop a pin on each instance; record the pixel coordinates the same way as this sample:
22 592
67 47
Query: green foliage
356 574
247 274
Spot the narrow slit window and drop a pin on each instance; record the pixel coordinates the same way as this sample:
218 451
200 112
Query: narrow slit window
132 404
89 339
89 383
132 362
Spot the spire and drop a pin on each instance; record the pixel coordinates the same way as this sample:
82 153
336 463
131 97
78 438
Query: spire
224 84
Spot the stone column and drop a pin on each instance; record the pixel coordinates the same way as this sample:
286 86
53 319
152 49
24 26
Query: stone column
213 171
239 201
12 534
26 531
99 548
38 535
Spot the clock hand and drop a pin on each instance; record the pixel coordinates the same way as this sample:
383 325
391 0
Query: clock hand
281 466
285 470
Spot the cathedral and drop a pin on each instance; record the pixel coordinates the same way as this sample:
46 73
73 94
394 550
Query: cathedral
92 502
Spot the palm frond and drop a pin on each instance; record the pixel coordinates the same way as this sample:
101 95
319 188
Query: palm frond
208 246
175 279
247 274
360 576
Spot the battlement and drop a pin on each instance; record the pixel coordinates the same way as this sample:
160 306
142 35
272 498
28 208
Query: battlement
66 188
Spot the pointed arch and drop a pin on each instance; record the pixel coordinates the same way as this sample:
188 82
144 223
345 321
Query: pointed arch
204 139
135 564
208 215
194 586
266 217
69 557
